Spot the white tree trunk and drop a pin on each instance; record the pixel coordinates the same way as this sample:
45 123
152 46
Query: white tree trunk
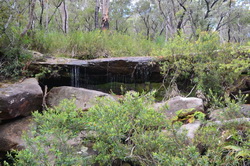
64 15
31 17
105 16
47 14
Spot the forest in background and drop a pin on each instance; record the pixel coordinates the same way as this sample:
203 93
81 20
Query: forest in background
151 18
132 28
154 19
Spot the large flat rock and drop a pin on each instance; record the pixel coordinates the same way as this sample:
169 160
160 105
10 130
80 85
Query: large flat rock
20 99
180 103
84 98
119 65
80 73
11 134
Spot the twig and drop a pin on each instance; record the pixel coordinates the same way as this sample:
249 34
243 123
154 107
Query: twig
191 90
132 150
44 98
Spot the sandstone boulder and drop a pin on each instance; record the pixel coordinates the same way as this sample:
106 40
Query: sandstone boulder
11 134
190 128
20 99
221 114
84 98
180 103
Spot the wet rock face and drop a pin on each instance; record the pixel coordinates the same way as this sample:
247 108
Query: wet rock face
11 134
20 99
84 98
81 73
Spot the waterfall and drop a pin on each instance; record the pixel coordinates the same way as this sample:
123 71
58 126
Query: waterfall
142 73
75 75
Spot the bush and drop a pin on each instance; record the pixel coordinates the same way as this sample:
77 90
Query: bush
89 45
229 145
125 129
13 62
204 63
129 131
46 142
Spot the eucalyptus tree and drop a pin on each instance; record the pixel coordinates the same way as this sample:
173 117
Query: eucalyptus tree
146 18
173 13
105 14
120 12
97 8
229 17
64 16
82 15
31 17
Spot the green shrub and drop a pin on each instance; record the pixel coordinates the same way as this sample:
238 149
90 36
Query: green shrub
226 138
229 108
125 129
204 63
13 62
46 142
129 131
89 45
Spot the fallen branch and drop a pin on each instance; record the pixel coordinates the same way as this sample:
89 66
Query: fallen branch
44 98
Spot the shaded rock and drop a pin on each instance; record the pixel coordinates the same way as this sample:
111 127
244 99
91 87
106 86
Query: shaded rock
84 98
191 128
121 65
126 164
36 55
20 99
238 120
98 71
245 109
220 114
11 133
180 103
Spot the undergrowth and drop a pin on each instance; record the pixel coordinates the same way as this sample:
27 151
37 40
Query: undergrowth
129 131
89 45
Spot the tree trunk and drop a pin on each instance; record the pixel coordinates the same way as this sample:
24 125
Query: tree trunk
229 24
42 11
47 14
64 14
105 17
31 17
97 7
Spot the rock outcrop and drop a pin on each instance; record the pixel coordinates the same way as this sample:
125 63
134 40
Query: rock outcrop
20 99
180 103
83 73
221 114
84 98
190 128
11 134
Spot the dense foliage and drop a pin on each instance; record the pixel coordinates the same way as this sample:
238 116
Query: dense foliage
211 67
150 18
13 63
130 131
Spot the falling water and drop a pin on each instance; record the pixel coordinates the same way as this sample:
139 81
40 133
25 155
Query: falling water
139 78
142 73
75 75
